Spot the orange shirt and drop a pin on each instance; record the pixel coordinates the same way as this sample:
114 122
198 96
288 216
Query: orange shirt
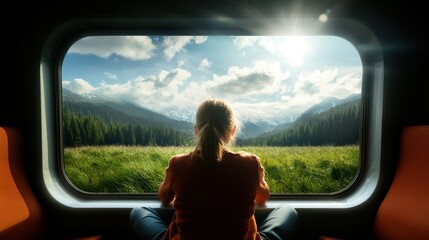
214 202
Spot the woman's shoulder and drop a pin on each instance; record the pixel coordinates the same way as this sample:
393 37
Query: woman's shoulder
179 161
180 157
245 155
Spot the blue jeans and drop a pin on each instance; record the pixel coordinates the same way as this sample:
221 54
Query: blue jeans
280 224
147 224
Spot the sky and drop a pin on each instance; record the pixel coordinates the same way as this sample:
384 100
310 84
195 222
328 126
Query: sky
264 78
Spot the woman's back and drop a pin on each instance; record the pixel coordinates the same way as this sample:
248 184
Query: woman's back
212 189
214 201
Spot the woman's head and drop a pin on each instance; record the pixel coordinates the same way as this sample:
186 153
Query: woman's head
215 128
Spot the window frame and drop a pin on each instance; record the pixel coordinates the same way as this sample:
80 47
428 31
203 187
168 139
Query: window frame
57 44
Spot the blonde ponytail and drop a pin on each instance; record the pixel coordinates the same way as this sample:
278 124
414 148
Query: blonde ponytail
214 123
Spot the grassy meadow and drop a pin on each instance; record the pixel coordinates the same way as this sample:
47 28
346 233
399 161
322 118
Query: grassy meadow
112 169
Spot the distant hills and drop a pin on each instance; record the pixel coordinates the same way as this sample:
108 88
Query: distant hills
118 110
333 121
89 120
328 104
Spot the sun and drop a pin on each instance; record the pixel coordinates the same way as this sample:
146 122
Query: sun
294 49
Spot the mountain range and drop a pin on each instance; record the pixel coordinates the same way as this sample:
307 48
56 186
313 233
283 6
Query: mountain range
119 110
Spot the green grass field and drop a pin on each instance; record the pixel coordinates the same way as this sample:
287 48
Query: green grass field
113 169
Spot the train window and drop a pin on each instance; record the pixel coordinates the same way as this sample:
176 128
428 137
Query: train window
128 105
118 98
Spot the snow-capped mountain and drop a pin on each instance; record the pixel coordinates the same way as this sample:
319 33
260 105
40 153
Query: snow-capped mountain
183 119
329 103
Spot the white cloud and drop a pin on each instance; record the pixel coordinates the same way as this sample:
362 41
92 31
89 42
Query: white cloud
348 82
154 91
244 41
158 92
180 63
130 47
200 39
310 88
262 78
268 43
265 110
205 63
237 86
79 86
171 79
111 76
313 87
175 44
117 90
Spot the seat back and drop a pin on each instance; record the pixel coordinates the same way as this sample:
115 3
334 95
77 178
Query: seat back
404 213
21 215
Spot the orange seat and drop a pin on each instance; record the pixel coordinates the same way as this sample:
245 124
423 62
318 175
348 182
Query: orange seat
21 214
404 213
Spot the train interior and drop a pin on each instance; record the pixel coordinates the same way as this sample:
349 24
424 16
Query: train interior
388 200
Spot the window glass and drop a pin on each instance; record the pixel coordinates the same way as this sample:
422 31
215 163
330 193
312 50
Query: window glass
129 104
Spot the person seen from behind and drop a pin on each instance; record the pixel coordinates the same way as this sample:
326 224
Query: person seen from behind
214 190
